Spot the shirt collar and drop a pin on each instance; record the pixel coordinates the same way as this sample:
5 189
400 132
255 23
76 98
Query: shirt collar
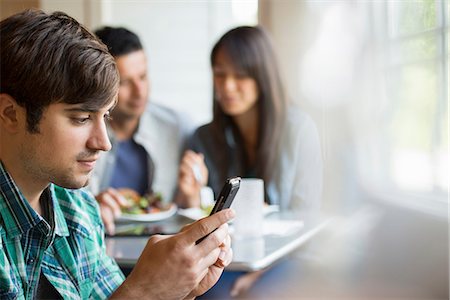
19 216
60 221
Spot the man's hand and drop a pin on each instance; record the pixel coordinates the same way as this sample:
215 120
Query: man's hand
193 175
111 202
214 271
175 267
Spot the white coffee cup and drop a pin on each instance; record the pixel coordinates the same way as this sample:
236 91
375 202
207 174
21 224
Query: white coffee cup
248 205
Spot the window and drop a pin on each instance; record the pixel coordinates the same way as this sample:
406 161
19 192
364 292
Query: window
414 127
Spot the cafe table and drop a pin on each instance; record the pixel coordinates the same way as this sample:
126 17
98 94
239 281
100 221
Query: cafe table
282 234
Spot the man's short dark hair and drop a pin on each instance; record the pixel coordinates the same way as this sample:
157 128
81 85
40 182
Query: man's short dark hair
51 58
120 41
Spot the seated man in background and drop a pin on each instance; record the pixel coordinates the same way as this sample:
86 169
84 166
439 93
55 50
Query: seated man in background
147 138
58 85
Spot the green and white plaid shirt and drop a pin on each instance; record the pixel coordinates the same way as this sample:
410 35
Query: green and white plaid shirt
69 249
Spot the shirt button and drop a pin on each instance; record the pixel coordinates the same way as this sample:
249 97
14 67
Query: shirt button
31 260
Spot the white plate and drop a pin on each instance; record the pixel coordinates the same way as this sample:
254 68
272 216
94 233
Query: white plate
196 213
152 217
193 213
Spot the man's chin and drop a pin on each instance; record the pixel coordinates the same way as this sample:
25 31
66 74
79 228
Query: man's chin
72 184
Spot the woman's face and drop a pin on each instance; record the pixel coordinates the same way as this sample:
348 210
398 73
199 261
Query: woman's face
236 93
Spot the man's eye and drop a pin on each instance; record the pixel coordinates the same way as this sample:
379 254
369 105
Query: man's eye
81 121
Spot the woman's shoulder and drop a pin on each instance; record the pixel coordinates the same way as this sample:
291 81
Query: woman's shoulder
202 135
299 126
205 128
297 118
204 131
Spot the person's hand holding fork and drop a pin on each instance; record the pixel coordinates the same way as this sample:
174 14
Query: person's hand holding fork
193 175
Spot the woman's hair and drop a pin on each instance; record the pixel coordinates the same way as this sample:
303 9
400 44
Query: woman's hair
251 52
51 58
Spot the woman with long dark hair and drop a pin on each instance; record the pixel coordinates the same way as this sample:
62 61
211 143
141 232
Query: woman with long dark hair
255 132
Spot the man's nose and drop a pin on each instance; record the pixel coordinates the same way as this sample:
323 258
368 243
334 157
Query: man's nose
99 139
139 88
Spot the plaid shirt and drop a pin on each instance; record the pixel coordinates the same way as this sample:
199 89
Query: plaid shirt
69 249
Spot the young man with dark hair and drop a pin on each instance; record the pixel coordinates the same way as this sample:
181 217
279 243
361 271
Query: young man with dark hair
58 85
147 138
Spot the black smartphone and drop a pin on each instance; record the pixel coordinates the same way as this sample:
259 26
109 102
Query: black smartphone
226 197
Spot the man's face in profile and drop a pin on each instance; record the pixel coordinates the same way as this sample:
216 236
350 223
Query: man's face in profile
134 85
68 144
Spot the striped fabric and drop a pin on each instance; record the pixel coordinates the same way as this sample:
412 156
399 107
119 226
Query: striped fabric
69 249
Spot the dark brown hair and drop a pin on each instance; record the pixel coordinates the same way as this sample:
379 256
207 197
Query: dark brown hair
251 52
120 41
51 58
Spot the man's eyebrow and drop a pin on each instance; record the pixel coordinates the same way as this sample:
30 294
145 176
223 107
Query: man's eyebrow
89 109
80 109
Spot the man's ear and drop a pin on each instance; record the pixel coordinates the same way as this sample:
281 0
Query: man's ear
9 113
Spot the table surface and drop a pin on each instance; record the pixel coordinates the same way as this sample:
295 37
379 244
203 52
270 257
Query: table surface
248 254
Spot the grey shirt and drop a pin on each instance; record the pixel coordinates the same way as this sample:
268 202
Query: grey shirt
296 182
163 134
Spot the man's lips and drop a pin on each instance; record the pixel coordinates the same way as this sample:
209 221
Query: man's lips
137 104
91 159
89 163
